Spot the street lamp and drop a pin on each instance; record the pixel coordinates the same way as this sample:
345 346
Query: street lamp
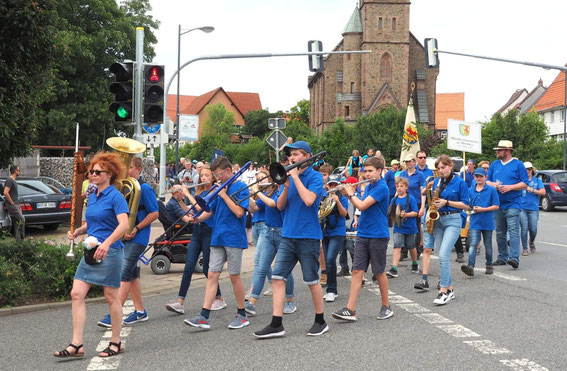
206 29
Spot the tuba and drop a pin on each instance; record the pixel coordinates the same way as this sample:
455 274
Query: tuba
129 187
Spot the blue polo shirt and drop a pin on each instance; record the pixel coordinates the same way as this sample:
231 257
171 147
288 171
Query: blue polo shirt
335 225
530 201
409 225
426 172
209 222
390 180
300 221
273 216
486 197
101 214
512 173
259 215
228 230
456 190
416 181
373 222
148 204
469 178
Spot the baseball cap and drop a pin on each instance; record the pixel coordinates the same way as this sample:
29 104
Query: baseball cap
479 171
409 157
528 165
334 178
350 180
297 145
394 162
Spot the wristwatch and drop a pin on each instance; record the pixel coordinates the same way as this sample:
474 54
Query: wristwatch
351 195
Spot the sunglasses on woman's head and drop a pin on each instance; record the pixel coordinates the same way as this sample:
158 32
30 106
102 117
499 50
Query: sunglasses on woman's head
97 172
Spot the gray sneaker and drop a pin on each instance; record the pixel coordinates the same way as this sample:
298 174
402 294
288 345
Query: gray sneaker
175 307
289 307
199 322
250 308
238 322
385 312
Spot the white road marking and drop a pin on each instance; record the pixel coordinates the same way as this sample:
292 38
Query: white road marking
123 333
552 243
413 308
523 364
458 331
503 275
486 347
433 318
110 363
397 299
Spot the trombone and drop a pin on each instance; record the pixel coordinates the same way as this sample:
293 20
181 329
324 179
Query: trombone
278 173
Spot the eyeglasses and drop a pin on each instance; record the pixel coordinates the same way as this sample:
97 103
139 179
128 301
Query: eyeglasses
422 157
219 174
97 172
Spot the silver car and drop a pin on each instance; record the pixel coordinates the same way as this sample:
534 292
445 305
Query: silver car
5 221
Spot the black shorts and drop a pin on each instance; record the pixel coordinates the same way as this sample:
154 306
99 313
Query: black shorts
370 251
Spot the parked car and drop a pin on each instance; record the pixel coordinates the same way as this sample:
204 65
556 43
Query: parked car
42 204
57 184
5 221
555 183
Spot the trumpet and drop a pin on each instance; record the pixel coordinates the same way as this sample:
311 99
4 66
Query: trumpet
191 186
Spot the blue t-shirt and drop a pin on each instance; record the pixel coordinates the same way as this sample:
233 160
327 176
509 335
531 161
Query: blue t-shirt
390 180
486 197
456 190
416 181
300 221
512 173
148 204
373 222
409 225
335 225
228 230
259 215
530 201
274 217
426 172
469 178
101 214
209 222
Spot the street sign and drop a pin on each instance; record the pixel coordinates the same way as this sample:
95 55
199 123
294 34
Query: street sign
152 129
276 123
276 139
151 140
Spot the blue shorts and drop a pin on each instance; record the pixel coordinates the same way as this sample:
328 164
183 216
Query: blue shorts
292 250
131 264
107 273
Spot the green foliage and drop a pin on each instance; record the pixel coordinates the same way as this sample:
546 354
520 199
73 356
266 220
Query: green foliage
300 112
13 285
257 123
256 150
336 142
220 122
299 131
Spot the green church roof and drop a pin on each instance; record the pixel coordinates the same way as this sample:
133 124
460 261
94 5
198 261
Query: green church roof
354 24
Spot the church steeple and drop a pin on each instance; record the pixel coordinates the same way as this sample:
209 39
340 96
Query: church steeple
354 24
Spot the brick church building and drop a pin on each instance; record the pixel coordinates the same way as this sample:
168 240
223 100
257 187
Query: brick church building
360 84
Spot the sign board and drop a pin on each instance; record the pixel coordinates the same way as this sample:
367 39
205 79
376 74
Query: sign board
152 129
464 136
188 127
216 154
151 140
276 123
276 139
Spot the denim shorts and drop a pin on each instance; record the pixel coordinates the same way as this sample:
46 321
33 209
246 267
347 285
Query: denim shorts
131 263
404 240
292 250
370 251
107 273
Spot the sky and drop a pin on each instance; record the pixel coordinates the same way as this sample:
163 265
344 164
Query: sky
513 29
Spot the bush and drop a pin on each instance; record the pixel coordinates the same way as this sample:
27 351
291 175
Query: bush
39 271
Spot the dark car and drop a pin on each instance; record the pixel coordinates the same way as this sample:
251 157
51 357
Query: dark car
555 183
42 204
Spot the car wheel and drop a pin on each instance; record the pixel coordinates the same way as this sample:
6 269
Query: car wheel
50 227
199 265
546 204
160 264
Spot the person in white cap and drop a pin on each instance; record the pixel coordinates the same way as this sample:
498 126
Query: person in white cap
529 215
508 175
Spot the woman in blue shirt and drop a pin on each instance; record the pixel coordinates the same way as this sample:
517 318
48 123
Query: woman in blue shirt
453 197
258 210
529 216
107 221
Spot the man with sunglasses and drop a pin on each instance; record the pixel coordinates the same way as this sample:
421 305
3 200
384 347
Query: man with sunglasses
13 204
509 176
422 166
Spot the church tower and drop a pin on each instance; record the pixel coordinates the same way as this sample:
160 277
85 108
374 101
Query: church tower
349 86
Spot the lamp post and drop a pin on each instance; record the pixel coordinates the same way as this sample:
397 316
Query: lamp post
206 29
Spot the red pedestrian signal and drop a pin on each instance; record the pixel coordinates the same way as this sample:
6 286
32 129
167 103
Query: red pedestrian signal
153 94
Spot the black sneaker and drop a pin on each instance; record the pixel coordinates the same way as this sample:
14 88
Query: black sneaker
415 268
468 270
270 332
460 258
489 269
343 273
374 279
345 314
318 329
499 262
514 263
392 273
422 285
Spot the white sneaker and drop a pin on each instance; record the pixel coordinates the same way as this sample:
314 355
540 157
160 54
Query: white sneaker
175 307
330 297
269 291
218 304
441 299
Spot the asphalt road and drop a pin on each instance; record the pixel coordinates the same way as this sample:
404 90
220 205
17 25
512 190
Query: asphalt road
513 320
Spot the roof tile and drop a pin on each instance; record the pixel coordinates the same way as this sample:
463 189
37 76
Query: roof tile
449 106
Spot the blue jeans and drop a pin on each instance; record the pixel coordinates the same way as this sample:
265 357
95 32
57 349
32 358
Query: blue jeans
268 247
507 222
528 223
447 230
258 228
331 247
343 254
474 239
200 241
302 250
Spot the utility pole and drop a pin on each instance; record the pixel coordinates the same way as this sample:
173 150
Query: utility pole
139 84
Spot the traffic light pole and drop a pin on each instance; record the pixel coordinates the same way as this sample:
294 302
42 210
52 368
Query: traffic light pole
139 84
163 134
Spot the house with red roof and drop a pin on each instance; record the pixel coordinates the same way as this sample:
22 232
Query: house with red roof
238 103
551 106
448 106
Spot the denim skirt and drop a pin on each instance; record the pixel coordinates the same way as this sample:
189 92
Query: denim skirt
107 273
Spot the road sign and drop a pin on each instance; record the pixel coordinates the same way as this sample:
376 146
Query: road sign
151 140
152 129
276 139
276 123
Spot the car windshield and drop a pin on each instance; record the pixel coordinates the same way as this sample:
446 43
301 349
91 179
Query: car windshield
559 178
34 187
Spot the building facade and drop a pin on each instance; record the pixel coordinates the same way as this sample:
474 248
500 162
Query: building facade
359 84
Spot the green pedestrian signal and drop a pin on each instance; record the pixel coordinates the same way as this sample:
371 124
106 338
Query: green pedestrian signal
122 87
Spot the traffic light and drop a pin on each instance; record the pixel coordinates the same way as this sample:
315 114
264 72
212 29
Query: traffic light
153 94
315 61
431 56
123 88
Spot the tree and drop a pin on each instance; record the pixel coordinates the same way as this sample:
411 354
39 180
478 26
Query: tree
300 112
337 141
257 123
26 67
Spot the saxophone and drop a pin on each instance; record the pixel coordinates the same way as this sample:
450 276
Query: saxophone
432 213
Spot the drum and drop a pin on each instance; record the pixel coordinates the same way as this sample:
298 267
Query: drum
351 235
